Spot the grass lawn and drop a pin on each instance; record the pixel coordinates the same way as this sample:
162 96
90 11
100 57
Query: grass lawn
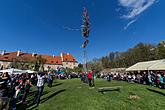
74 95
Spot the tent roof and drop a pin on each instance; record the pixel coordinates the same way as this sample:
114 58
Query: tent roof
148 65
28 71
158 66
12 71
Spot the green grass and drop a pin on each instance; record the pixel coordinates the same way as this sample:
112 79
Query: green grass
74 95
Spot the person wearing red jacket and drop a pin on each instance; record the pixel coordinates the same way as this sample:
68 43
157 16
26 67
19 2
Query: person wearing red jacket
90 78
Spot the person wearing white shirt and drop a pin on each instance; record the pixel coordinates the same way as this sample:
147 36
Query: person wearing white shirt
40 87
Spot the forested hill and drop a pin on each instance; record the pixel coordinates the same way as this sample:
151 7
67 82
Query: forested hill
138 53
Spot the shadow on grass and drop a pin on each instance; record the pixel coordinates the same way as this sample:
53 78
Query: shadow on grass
47 98
32 96
105 91
152 90
52 95
21 106
57 84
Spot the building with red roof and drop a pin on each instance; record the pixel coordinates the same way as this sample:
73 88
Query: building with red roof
52 62
68 61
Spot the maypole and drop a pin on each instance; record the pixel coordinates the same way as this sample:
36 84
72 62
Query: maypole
85 33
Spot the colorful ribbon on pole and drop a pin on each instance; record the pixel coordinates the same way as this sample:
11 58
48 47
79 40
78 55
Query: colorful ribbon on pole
85 27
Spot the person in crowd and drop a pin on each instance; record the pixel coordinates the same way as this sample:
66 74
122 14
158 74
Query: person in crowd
85 78
90 78
40 87
108 78
4 101
138 76
93 78
28 84
6 79
133 78
161 81
129 78
82 77
149 79
50 79
145 78
164 80
153 78
32 79
16 96
158 80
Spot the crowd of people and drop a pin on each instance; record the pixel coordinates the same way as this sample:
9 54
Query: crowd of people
15 88
152 78
67 76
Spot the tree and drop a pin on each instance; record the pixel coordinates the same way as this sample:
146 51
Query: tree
20 63
140 52
105 62
161 51
37 63
78 69
95 64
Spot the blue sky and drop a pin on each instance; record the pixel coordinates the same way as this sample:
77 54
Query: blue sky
42 26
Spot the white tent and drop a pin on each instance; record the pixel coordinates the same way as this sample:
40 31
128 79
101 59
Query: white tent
12 71
158 66
148 65
28 71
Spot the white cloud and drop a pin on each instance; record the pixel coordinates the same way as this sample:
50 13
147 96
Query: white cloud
131 22
135 7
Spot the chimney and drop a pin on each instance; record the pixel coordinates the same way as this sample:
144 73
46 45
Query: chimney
33 54
3 52
18 53
67 53
62 57
53 55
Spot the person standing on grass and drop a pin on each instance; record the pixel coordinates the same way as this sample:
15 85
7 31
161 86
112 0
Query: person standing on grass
50 79
149 79
16 96
4 100
129 78
90 78
93 78
40 87
26 91
161 81
6 79
85 77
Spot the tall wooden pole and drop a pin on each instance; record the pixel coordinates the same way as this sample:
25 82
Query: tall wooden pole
85 33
